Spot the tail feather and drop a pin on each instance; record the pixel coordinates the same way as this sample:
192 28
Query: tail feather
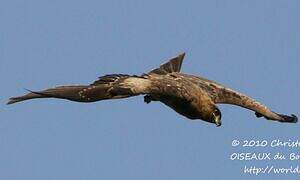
173 65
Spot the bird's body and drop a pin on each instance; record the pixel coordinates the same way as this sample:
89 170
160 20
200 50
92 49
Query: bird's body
191 96
180 93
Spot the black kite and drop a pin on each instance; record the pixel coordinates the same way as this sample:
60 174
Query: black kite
191 96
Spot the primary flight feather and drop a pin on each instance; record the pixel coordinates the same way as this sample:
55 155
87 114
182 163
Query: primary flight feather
191 96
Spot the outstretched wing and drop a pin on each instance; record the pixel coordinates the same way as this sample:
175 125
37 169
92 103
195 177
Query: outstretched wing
173 65
225 95
114 86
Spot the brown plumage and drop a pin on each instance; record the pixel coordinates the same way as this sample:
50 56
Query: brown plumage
191 96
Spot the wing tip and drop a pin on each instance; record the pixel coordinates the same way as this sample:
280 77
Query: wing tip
12 101
289 119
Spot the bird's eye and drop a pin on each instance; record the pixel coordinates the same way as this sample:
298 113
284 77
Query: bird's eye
217 112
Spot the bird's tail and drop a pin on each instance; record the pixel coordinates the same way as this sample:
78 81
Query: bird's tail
73 93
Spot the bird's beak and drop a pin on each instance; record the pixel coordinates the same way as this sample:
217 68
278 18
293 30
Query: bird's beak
217 120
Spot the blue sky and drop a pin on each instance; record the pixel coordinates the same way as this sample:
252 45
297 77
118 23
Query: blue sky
251 46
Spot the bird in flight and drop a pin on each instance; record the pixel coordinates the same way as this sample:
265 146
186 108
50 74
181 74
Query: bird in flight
191 96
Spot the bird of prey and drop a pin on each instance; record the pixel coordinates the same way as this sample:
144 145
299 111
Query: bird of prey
191 96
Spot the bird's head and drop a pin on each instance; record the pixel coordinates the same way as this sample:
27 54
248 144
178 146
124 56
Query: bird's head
211 114
216 116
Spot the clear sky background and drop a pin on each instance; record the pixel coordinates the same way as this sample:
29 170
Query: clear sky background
252 46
